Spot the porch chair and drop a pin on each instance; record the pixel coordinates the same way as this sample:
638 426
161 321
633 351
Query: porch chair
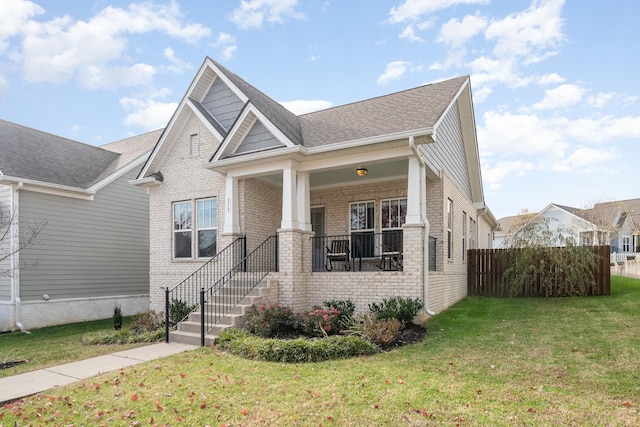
339 252
391 251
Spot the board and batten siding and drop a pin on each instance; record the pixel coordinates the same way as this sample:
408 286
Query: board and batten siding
88 248
5 265
222 103
448 153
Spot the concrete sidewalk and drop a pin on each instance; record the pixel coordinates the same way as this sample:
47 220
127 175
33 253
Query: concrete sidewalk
18 386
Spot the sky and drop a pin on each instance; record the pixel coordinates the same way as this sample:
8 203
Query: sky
556 99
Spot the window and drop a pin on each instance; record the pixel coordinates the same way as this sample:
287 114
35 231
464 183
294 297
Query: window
205 222
464 235
394 215
449 228
626 244
182 223
362 228
207 215
194 144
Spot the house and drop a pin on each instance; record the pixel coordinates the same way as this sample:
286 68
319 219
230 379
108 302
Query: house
369 200
92 249
615 223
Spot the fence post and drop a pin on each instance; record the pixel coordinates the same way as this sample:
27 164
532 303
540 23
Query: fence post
166 314
202 314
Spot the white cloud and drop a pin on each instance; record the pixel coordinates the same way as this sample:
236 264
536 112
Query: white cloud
394 71
412 10
551 78
586 160
89 50
148 114
302 106
601 99
177 65
494 176
15 14
252 13
456 33
525 33
227 45
409 34
562 96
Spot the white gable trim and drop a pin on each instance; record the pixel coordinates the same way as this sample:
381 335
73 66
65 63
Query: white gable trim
118 173
48 188
206 122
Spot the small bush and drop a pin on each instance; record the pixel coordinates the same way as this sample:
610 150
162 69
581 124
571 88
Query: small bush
318 322
144 327
345 307
269 321
117 317
179 310
399 308
301 350
382 332
145 322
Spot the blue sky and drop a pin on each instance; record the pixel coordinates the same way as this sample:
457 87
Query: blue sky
556 99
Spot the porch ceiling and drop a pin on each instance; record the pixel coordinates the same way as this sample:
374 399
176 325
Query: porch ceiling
379 170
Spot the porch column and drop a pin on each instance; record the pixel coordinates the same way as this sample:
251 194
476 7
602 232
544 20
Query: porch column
304 204
231 209
414 192
289 199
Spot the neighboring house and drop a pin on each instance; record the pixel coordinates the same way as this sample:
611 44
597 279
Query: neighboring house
93 251
615 223
397 177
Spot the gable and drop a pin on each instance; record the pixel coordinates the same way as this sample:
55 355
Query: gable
258 138
222 103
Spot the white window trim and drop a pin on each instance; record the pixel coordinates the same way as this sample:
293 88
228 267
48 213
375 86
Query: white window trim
198 228
175 231
193 230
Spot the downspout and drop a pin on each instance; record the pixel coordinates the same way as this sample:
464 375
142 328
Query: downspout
15 258
425 224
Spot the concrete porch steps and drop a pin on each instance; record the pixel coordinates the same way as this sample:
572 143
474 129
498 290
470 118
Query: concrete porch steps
188 331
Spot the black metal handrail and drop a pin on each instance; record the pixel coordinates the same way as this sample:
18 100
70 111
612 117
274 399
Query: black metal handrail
184 298
222 296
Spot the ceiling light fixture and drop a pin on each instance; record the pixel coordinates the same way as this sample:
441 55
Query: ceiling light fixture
361 171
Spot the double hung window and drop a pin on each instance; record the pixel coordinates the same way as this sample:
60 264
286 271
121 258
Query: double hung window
201 230
362 228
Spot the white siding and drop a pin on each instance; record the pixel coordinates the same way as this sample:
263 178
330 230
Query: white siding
447 153
87 248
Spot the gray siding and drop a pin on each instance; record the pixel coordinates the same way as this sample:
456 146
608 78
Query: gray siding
5 209
222 103
448 151
88 248
258 138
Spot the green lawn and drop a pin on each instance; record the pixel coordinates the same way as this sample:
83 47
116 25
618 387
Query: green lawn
493 362
54 345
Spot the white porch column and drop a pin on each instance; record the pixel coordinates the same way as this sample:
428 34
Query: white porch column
289 199
304 207
414 192
231 209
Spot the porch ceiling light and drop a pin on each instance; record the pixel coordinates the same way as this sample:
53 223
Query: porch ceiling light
361 171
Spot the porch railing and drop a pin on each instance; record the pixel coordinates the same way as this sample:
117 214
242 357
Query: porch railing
184 298
219 299
358 251
622 257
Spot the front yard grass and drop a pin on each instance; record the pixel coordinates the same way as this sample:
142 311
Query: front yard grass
55 345
499 362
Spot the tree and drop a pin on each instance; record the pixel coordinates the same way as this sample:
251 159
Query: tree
546 257
14 238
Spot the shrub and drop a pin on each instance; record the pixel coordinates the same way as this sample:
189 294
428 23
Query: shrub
269 321
144 327
399 308
241 343
318 322
145 322
382 332
345 307
179 310
117 317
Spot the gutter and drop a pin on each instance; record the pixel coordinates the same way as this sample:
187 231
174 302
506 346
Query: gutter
15 260
425 223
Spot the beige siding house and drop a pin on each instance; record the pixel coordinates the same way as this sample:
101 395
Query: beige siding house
369 200
92 251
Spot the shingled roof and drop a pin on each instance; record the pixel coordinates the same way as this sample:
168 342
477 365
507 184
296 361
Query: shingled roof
35 155
417 108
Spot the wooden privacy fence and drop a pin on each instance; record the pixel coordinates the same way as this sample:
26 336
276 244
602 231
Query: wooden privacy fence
486 268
